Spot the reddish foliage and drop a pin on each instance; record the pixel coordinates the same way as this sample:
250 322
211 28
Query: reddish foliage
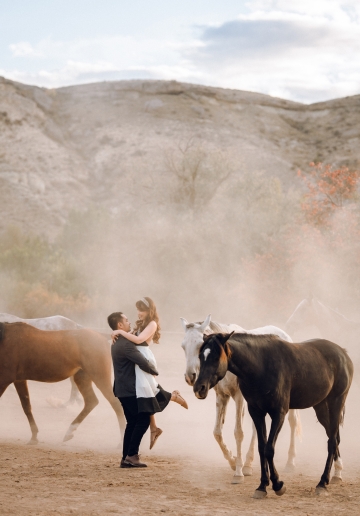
328 191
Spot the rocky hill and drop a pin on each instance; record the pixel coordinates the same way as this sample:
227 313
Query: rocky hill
67 148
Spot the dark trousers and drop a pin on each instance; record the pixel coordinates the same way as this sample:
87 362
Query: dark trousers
136 425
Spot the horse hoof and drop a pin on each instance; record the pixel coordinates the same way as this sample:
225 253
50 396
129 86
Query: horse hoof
336 480
67 438
237 479
281 491
289 468
321 491
247 471
32 442
259 495
232 465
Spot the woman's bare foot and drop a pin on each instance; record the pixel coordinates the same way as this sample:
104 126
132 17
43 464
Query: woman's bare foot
176 396
154 434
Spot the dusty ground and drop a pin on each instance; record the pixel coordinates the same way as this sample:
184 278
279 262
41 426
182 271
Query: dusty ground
45 480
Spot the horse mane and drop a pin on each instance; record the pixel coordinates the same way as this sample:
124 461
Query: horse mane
192 324
218 328
252 339
248 339
2 331
214 327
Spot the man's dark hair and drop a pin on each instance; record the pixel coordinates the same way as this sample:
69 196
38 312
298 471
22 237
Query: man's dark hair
114 319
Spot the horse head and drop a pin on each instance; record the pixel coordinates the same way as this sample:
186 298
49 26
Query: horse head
191 344
214 358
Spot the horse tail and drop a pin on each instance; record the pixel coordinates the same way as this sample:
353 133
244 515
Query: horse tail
2 331
298 430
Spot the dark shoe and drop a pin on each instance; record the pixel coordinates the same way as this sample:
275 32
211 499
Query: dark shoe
134 462
124 464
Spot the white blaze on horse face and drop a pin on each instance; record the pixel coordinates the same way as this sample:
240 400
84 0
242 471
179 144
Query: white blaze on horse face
191 344
206 353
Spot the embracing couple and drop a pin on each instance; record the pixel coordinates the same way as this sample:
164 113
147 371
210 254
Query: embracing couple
135 384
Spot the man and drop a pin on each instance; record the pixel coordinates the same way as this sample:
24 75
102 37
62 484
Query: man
125 356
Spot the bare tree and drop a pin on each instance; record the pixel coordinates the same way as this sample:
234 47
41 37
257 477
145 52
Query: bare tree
198 174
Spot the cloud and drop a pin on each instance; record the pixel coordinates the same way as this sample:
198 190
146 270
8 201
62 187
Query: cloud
303 50
286 53
22 49
259 38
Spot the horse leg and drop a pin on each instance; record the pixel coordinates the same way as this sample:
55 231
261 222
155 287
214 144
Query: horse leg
222 401
247 469
239 437
258 416
74 393
23 393
277 421
105 388
337 477
3 387
83 381
295 428
329 415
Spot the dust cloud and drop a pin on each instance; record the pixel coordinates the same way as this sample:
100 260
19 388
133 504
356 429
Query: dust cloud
236 245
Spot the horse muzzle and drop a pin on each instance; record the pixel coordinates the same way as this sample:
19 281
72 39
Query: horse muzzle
201 391
190 378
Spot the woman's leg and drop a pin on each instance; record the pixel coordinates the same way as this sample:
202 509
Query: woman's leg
155 432
153 426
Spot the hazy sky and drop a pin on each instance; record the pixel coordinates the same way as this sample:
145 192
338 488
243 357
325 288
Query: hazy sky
305 50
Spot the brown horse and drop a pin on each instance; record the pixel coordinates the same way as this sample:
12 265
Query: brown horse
27 353
275 376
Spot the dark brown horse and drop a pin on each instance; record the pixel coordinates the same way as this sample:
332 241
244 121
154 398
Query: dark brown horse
275 376
27 353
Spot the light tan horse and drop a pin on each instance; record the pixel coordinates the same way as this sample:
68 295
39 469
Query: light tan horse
27 353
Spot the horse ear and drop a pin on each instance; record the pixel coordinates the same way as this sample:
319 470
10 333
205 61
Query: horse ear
224 337
183 322
228 336
205 324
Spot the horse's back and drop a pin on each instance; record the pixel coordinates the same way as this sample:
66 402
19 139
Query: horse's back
54 322
8 318
41 355
271 330
27 336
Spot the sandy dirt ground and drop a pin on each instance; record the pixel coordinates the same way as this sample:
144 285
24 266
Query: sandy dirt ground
186 472
45 480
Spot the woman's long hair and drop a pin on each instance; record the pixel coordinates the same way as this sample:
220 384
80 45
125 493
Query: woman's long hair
151 315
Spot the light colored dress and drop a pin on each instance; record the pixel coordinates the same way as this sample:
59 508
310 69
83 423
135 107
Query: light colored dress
146 384
151 397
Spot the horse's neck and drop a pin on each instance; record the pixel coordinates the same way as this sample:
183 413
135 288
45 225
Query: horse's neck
242 359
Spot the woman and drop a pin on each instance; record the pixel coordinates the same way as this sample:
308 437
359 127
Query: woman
150 395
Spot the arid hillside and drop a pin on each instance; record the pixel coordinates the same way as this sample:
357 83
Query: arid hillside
67 148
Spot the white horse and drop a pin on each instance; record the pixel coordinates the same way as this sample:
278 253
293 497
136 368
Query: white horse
55 322
229 387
